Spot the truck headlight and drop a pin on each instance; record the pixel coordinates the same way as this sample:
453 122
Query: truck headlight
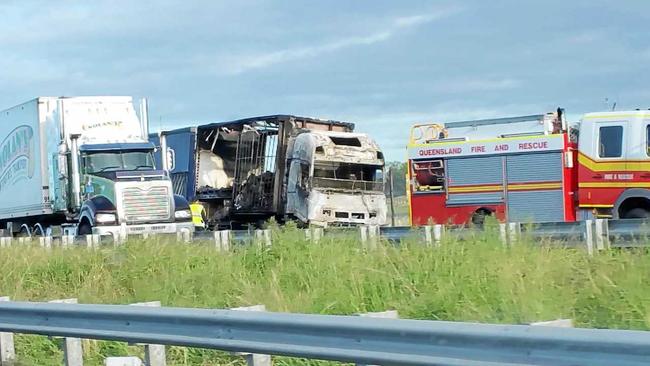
182 214
105 218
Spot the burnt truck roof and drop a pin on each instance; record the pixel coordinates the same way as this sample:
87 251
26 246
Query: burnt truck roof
278 118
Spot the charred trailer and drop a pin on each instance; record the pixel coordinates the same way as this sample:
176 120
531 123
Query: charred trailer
248 171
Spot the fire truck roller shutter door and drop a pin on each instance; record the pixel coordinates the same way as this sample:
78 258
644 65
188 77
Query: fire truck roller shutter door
476 180
535 187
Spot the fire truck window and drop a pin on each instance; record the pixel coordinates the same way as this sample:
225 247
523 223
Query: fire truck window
610 142
429 176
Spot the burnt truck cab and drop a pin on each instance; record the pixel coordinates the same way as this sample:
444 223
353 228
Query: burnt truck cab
336 178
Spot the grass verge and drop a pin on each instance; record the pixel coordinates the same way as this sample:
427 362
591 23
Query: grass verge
471 280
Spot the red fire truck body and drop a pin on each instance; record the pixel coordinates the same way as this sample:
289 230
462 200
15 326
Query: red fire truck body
530 169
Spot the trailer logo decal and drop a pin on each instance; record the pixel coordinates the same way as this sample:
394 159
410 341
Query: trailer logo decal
16 156
95 125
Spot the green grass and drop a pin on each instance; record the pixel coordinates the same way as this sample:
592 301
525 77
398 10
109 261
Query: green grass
473 280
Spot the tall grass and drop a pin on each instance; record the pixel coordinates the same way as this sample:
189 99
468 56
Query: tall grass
477 279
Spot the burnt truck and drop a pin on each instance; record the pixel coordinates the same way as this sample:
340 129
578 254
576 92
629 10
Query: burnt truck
285 167
83 165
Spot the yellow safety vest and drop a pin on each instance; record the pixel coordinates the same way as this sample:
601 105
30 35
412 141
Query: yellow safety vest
197 215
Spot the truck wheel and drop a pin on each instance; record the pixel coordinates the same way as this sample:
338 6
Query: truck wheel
84 229
24 233
478 218
637 213
38 231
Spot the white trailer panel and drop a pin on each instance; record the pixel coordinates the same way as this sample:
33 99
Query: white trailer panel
22 170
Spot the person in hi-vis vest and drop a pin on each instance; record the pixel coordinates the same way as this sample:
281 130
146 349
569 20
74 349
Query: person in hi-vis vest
198 215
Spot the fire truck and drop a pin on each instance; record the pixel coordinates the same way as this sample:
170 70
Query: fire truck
535 168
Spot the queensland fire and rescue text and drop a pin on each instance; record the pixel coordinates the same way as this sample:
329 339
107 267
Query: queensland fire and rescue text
514 146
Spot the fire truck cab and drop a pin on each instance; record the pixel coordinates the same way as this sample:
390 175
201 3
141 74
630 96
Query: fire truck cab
614 165
531 169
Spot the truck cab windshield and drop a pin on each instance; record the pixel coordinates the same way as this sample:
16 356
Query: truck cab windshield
99 162
348 176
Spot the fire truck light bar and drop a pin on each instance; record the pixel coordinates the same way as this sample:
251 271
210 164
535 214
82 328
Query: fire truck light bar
521 134
496 121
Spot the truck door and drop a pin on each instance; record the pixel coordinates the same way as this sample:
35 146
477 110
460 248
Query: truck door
603 176
644 156
637 169
296 194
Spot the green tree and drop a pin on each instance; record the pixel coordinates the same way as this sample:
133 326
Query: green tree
399 178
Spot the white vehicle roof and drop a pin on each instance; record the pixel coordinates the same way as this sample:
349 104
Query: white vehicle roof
618 114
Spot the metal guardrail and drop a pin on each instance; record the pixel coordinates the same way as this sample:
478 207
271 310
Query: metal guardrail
590 234
338 338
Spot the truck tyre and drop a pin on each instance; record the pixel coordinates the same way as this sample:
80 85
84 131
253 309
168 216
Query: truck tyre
84 229
637 213
37 231
24 232
478 218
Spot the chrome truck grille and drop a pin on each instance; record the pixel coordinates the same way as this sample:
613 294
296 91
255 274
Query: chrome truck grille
146 205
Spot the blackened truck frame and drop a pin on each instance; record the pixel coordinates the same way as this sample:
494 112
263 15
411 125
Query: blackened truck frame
258 145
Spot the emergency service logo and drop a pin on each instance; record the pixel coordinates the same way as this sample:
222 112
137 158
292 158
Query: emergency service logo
16 157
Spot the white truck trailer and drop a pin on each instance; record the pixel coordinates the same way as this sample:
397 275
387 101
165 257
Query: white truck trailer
83 165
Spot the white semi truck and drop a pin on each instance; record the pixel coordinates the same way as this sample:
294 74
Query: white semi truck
83 165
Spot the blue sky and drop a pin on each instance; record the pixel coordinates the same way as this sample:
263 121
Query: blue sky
381 64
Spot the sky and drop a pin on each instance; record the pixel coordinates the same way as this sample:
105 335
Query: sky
383 65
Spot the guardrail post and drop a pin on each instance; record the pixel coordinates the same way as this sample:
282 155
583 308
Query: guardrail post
154 354
66 241
92 241
438 233
369 235
263 237
503 234
314 234
428 238
589 236
602 234
7 350
184 235
45 242
116 238
514 232
375 234
222 240
73 354
388 314
5 242
124 233
122 361
254 359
